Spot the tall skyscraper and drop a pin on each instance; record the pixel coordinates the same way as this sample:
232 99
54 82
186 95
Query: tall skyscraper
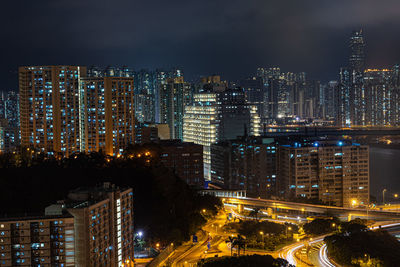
49 107
107 119
357 51
351 105
175 94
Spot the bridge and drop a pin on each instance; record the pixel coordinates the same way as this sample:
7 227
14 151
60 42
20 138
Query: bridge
309 209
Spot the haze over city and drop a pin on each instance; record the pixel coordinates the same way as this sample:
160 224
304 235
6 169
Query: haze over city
230 38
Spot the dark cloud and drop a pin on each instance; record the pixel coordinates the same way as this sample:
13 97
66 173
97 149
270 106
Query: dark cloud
215 36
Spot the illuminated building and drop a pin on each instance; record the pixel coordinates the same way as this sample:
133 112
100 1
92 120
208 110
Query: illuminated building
161 77
380 97
334 172
351 97
151 133
287 95
103 224
145 95
245 164
254 92
175 94
107 119
37 241
200 125
357 51
49 107
9 136
329 99
373 101
2 141
9 108
184 159
216 116
92 227
211 84
236 116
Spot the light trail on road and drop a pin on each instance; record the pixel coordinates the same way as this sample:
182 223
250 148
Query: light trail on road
323 257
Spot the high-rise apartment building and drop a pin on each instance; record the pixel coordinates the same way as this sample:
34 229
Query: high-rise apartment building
380 98
103 225
245 164
185 159
38 241
49 107
145 95
161 77
92 227
335 172
175 94
107 119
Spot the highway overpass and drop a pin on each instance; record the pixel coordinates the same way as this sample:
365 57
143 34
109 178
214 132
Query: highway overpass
310 209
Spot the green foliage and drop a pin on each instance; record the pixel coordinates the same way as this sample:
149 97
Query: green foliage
320 226
272 235
253 260
254 213
356 225
364 248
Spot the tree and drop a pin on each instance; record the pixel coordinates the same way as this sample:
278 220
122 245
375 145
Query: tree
240 243
230 240
244 261
254 213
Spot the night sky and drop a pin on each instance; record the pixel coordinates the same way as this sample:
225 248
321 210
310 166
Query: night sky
231 38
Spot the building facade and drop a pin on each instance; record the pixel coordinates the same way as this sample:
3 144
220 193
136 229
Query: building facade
335 172
185 159
49 107
37 241
103 225
245 164
175 94
201 125
107 117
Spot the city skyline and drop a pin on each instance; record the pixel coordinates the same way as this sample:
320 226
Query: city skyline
202 38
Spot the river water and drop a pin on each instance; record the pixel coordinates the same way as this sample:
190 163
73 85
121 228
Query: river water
384 172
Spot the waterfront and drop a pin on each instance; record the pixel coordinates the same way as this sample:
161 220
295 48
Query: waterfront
384 172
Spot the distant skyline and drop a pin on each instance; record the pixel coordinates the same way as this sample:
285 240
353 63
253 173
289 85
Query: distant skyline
230 38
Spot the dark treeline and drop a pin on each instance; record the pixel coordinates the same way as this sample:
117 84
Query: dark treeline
354 245
249 260
166 209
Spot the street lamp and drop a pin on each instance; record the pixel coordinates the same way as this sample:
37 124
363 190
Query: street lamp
288 228
262 237
383 196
